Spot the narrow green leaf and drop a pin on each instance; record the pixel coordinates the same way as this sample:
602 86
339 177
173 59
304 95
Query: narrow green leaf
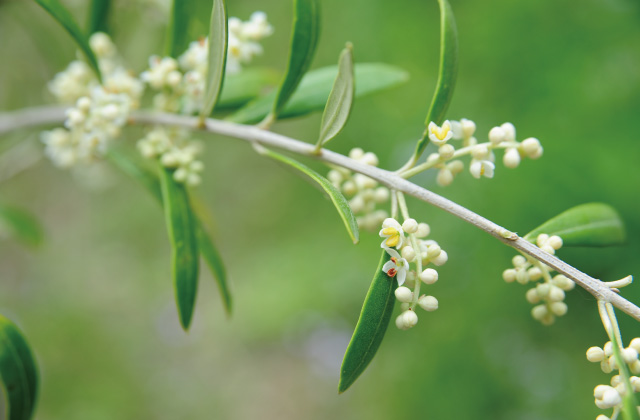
304 39
372 324
182 228
314 90
218 37
592 224
213 259
188 20
629 400
206 246
99 16
447 73
18 372
21 225
340 99
242 87
336 197
65 18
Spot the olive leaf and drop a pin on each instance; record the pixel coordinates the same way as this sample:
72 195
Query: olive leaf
371 327
21 225
336 112
217 57
591 224
18 372
98 16
187 21
64 18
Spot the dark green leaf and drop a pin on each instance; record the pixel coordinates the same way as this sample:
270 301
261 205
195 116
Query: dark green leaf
304 39
65 18
372 324
212 257
336 197
592 224
182 228
188 21
447 73
21 225
205 245
218 36
98 16
18 372
240 88
314 90
338 107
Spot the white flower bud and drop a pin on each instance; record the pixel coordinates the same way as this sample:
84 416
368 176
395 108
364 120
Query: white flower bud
357 204
599 391
193 180
531 146
356 153
423 230
595 354
606 366
444 177
404 294
433 250
180 175
335 177
522 276
542 239
381 195
406 320
369 158
559 308
635 343
363 181
174 78
635 367
410 226
441 259
539 312
519 261
408 253
433 157
480 152
556 294
455 166
543 290
615 380
468 127
555 242
429 276
532 296
446 151
349 188
83 104
496 135
611 397
110 112
563 282
428 303
629 355
635 383
509 275
509 131
511 158
169 160
608 348
534 273
548 249
602 417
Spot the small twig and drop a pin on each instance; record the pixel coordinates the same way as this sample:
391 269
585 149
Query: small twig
50 115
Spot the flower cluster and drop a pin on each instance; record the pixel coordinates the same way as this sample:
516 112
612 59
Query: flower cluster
363 192
416 250
610 396
482 155
99 111
549 292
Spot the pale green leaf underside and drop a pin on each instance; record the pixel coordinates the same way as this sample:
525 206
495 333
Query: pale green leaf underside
18 372
217 58
336 196
314 90
336 112
181 227
21 225
62 15
592 224
304 39
206 246
447 73
371 327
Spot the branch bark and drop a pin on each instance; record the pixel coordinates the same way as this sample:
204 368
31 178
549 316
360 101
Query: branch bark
55 114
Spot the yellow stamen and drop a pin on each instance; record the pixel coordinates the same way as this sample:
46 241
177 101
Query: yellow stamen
440 132
393 240
389 231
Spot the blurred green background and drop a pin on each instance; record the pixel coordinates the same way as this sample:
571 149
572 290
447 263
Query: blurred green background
96 300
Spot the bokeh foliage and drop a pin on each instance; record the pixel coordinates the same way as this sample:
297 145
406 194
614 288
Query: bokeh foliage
96 298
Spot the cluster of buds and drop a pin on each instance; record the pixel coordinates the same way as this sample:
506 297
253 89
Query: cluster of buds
482 155
610 396
175 150
548 293
420 252
363 192
99 111
181 82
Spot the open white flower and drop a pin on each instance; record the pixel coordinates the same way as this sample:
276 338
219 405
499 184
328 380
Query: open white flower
440 135
396 266
481 168
392 231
